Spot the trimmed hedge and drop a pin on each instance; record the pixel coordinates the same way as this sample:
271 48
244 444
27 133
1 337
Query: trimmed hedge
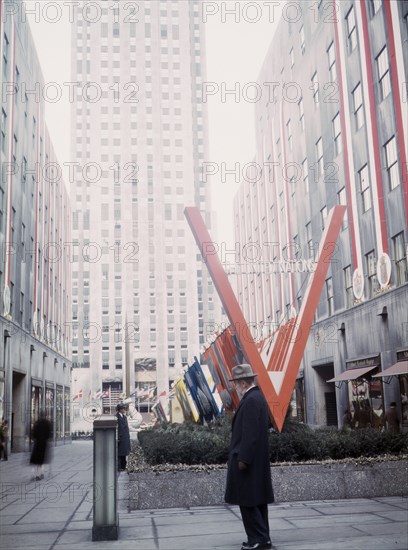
191 443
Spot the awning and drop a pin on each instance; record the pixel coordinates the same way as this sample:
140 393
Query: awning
399 368
352 374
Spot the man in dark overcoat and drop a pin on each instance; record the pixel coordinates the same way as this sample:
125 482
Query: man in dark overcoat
392 418
249 475
123 436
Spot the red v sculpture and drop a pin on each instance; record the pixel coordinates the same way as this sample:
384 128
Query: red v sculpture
277 370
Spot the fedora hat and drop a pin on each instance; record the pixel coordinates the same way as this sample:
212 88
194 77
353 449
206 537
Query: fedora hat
242 371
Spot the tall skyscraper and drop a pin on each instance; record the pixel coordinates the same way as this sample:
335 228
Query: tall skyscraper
141 296
35 219
335 133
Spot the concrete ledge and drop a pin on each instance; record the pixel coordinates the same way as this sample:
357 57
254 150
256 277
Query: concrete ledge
184 489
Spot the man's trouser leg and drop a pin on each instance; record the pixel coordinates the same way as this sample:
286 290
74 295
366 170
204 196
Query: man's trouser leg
255 520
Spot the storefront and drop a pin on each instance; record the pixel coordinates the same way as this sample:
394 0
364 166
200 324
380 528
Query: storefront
399 369
365 391
36 400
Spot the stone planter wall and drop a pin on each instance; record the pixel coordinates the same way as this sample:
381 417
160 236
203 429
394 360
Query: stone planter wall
184 489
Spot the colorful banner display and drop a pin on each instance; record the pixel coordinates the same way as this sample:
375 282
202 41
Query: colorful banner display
201 393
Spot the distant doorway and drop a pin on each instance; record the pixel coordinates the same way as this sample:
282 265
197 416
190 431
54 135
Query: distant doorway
18 424
331 408
325 393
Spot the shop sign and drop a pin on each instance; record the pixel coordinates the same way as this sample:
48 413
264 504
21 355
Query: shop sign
402 355
373 361
384 270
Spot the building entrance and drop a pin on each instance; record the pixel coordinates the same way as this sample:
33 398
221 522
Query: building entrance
18 413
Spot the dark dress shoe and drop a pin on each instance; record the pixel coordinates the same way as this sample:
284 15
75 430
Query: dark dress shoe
256 545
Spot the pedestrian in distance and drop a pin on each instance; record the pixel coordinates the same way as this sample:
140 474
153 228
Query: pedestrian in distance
123 436
347 420
42 432
392 418
249 481
4 436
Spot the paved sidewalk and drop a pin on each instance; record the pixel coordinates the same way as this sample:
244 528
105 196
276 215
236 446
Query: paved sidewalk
56 514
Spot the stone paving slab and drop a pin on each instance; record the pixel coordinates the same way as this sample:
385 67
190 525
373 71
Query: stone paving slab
327 520
32 528
357 543
398 527
56 514
19 541
353 508
396 515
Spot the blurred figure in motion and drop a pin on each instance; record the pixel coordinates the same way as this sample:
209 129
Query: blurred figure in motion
41 434
4 435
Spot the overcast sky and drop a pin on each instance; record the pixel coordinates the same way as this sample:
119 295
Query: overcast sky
236 47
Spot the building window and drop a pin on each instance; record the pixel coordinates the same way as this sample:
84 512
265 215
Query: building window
351 29
358 106
289 132
305 172
371 273
337 133
301 114
365 188
323 216
319 157
392 163
302 39
342 199
309 240
375 5
401 268
383 71
5 55
332 62
315 89
292 58
329 296
348 285
3 130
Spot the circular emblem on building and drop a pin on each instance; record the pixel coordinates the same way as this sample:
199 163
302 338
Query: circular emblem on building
358 284
6 301
384 270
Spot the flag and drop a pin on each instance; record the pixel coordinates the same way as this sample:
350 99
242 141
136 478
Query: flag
77 396
90 395
98 394
141 393
106 393
162 394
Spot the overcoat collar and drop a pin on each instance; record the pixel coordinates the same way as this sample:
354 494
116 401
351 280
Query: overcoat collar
243 397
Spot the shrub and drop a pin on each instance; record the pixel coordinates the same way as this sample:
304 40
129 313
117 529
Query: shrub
191 443
187 443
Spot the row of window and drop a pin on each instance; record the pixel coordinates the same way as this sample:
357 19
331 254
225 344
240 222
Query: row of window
400 277
400 274
351 29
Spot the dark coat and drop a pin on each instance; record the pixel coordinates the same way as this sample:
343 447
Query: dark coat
393 420
249 444
123 435
41 433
